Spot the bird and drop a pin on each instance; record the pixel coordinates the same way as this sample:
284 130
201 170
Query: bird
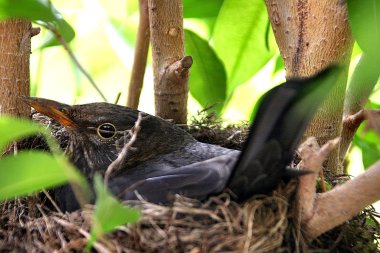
166 160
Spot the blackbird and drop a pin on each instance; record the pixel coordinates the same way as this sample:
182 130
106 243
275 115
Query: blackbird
166 160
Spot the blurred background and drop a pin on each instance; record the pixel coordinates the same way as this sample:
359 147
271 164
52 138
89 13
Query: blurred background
104 44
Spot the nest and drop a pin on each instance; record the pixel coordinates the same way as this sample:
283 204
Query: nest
218 225
263 224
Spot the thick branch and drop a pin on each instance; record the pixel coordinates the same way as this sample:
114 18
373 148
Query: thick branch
15 37
312 35
167 36
322 212
141 54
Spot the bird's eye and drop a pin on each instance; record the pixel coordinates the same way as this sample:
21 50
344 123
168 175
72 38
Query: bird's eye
106 131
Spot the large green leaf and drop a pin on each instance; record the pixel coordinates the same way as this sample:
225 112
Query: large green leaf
364 18
41 11
14 128
109 212
208 78
31 9
31 171
201 9
240 41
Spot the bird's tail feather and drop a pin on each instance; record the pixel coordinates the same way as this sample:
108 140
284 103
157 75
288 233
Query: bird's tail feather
281 119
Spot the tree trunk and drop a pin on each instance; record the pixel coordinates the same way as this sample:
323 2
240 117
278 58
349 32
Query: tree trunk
15 49
312 35
169 64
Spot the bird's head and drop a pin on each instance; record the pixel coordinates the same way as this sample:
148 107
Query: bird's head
98 131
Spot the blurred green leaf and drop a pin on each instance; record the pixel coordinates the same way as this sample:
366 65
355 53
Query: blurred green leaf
240 41
208 78
64 30
109 212
14 129
369 145
279 65
364 19
31 171
40 11
201 9
32 9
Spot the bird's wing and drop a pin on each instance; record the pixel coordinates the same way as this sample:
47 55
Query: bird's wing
281 119
197 180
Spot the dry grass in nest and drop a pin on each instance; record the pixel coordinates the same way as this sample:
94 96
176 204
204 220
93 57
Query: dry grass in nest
218 225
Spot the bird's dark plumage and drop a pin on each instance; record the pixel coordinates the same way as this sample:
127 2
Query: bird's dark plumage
166 160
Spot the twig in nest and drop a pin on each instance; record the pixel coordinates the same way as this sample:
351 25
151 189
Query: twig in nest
97 245
120 160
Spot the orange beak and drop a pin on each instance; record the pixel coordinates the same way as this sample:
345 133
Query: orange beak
52 109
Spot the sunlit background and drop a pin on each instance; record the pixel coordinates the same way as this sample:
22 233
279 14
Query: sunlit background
104 44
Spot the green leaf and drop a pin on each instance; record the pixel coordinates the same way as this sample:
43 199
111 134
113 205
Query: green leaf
41 11
31 171
279 64
32 9
208 78
364 19
201 9
240 41
109 212
14 129
65 31
369 147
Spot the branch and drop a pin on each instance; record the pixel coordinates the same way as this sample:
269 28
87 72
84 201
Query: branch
167 36
141 53
322 212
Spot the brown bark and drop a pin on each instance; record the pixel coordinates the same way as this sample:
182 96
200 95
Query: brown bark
141 53
15 49
324 211
312 35
170 67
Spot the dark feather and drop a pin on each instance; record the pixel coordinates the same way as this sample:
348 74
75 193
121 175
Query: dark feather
280 122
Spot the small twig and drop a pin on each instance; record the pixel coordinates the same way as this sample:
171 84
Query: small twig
98 246
120 160
59 37
52 201
117 98
35 31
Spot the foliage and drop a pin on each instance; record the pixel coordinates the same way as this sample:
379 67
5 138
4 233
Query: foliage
31 171
364 17
41 11
365 24
208 76
109 213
